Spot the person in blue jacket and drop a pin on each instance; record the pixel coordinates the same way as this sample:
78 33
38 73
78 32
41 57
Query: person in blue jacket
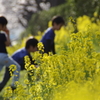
18 56
30 46
49 35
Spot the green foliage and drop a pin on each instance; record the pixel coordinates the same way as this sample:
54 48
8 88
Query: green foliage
72 8
39 21
87 7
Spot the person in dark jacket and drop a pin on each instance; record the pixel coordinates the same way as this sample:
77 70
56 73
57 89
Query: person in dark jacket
49 35
5 59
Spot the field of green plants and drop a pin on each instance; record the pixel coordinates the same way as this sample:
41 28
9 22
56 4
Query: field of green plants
71 74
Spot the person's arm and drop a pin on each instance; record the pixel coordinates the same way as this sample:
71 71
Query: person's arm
7 42
53 48
48 46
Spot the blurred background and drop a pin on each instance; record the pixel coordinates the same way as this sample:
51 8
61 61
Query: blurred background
31 16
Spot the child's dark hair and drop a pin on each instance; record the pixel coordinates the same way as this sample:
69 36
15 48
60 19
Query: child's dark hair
57 20
31 42
3 20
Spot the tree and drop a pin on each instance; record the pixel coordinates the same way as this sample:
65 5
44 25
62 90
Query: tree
24 9
87 7
19 12
33 6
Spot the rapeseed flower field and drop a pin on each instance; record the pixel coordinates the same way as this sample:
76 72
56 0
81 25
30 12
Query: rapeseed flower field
71 74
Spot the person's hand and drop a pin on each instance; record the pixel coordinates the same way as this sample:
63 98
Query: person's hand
6 31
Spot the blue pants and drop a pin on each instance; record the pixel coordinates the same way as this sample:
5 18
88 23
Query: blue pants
6 61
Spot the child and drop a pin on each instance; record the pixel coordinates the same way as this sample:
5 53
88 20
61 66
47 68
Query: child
5 60
30 46
48 37
18 56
